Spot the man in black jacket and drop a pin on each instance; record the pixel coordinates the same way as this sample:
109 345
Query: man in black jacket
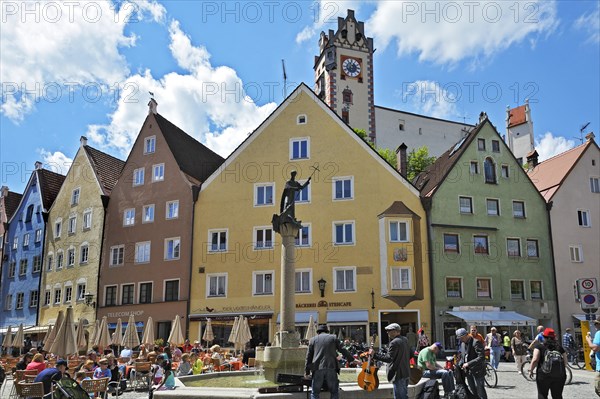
398 363
321 360
472 361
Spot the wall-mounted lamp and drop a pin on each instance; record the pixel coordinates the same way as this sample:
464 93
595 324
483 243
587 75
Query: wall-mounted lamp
322 283
372 298
88 299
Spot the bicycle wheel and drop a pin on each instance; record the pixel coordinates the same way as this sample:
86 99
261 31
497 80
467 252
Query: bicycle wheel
575 361
525 371
569 376
491 377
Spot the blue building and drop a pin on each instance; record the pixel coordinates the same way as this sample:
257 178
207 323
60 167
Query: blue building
23 249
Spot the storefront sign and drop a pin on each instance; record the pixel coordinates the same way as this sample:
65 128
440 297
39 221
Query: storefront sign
253 308
125 314
323 304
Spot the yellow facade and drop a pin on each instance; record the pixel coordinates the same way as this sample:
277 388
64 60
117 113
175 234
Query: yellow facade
352 271
82 275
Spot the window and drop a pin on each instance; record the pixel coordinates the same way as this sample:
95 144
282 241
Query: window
148 215
116 255
576 253
217 285
20 297
474 168
142 252
57 296
495 146
81 291
68 293
583 218
49 264
1 243
87 219
504 171
110 299
401 124
519 209
172 248
47 297
343 233
302 281
263 283
484 288
304 194
513 247
480 244
299 148
12 268
451 243
489 169
303 237
481 144
127 294
149 145
59 260
172 210
595 184
517 290
465 205
158 172
37 263
347 96
399 232
75 197
138 177
536 289
343 188
344 279
145 292
218 240
171 290
71 257
9 301
72 224
301 119
38 236
532 249
34 297
263 238
26 240
84 253
263 194
401 278
493 207
129 217
346 115
29 214
23 267
15 243
453 287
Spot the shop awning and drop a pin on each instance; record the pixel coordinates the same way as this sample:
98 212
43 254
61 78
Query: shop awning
302 317
500 318
347 316
138 325
35 330
14 329
229 316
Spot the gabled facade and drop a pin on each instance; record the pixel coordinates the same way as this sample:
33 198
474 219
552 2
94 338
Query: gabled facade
146 255
74 235
490 245
570 183
363 236
23 252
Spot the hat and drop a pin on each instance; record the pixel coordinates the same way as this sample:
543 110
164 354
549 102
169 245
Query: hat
322 328
196 342
549 333
103 361
62 362
461 332
439 345
393 326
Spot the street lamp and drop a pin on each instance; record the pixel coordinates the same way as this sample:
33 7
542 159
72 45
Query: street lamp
372 298
322 283
88 299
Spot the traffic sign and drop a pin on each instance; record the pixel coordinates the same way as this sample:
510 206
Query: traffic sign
590 316
589 301
587 286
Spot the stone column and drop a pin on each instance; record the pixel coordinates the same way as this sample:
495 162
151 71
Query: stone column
287 326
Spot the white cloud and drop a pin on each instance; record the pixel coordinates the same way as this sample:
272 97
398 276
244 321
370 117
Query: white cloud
551 145
327 13
590 23
68 44
429 98
55 161
208 102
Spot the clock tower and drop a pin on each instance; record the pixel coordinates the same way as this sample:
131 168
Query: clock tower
344 73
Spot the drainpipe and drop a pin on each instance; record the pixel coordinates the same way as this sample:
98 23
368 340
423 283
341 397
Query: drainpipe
552 262
195 194
105 200
427 204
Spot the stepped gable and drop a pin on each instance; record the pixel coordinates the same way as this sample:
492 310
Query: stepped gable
107 168
50 183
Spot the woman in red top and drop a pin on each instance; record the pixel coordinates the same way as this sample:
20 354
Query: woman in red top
37 363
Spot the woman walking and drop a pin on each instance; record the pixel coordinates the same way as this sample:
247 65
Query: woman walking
550 361
519 349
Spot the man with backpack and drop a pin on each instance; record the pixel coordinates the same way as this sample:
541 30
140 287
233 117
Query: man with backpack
472 361
550 361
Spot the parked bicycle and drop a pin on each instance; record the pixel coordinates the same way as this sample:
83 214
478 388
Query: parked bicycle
576 358
527 365
491 377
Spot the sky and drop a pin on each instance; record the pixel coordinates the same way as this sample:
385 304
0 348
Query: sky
77 68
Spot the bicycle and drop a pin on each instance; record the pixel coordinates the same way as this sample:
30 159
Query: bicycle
531 378
491 376
576 358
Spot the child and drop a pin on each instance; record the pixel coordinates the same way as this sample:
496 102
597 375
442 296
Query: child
81 376
157 370
102 371
185 367
167 381
197 364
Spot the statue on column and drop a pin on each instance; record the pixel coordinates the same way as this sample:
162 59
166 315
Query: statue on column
288 203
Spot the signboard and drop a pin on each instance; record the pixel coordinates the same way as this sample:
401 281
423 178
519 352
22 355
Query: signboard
588 293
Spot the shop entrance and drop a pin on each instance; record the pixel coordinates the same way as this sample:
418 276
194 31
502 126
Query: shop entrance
408 320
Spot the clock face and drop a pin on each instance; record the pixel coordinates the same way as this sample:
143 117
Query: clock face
351 67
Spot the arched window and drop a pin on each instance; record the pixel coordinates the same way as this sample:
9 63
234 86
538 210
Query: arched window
490 171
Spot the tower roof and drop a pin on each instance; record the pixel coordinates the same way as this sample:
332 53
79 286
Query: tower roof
517 116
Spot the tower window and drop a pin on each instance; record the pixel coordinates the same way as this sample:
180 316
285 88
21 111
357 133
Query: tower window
346 115
347 96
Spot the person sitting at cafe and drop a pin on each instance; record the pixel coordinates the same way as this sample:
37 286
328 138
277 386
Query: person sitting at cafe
37 363
197 348
187 347
197 364
175 353
102 371
185 367
126 352
25 360
248 353
52 374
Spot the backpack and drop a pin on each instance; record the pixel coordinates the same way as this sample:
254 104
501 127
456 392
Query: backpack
431 390
423 341
461 392
553 365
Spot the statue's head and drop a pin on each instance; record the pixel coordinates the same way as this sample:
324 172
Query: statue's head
294 174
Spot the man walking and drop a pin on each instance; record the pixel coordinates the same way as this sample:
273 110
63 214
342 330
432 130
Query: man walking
493 341
569 345
594 344
472 361
398 363
431 369
321 360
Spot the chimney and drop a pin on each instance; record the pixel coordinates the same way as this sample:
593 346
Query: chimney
152 105
38 165
590 136
401 160
532 159
482 117
4 191
83 141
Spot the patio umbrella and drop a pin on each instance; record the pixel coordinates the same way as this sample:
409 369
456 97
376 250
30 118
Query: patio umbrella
95 333
176 336
18 339
49 340
48 332
64 343
148 336
200 331
246 330
311 330
234 329
117 336
80 340
103 338
7 342
130 338
208 335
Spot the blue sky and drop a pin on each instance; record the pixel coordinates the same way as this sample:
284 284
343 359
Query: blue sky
215 68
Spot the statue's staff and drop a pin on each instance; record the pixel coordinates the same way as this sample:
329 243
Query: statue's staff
316 169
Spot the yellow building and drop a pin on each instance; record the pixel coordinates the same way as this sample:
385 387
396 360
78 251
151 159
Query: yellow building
364 240
74 235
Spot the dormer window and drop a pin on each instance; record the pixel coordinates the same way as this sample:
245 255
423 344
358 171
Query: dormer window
301 120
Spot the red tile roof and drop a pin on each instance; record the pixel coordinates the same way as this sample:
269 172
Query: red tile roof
398 208
50 184
517 116
107 168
